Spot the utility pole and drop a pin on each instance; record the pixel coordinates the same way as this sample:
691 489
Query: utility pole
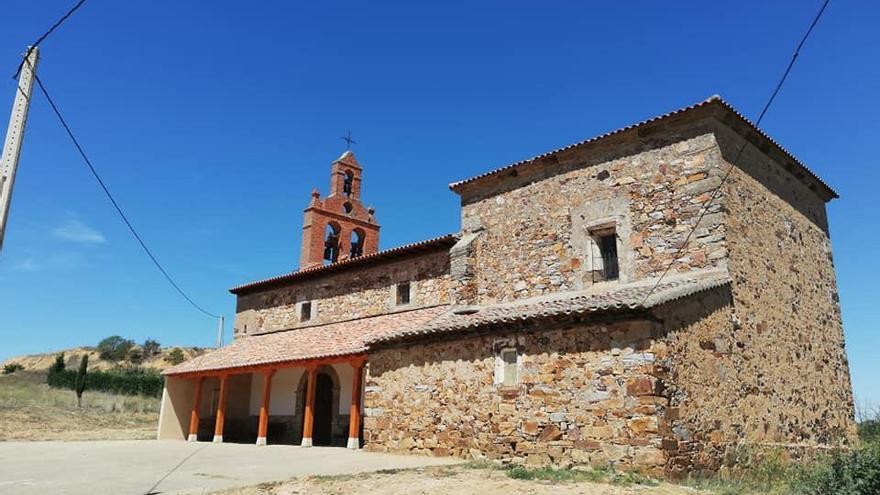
15 135
220 332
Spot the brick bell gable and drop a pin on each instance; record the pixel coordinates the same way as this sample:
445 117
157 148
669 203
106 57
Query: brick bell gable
339 226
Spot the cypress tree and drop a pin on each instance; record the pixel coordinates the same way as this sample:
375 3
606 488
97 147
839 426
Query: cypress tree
81 379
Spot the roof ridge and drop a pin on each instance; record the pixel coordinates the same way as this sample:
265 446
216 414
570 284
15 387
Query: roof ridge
714 99
345 263
625 297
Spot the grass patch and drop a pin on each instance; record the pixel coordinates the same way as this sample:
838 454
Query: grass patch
555 475
845 472
31 410
326 478
481 464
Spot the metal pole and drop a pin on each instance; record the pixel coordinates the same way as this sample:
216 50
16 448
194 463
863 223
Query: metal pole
14 136
220 333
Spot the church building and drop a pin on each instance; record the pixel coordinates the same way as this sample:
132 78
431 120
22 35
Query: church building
654 298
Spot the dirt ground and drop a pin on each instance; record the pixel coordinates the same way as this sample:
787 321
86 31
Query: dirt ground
31 410
448 480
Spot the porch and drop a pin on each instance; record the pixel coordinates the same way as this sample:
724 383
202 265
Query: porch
312 402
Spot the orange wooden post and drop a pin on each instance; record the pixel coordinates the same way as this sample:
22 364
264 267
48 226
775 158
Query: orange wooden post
354 411
194 414
309 419
221 408
263 427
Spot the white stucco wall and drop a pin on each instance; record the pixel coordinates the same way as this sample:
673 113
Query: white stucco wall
345 373
284 398
177 401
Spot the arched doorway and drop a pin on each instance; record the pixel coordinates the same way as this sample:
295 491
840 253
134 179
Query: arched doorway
323 429
326 427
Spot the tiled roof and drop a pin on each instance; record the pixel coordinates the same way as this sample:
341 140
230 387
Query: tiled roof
601 298
357 336
322 341
445 241
717 100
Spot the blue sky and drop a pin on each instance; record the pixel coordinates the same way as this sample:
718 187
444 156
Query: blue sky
212 122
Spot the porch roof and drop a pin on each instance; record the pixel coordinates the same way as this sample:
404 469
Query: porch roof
601 298
333 340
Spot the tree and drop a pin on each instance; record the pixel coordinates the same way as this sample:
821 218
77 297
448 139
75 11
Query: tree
58 365
114 348
81 379
151 347
175 356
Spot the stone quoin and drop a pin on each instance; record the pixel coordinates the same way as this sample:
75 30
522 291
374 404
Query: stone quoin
542 332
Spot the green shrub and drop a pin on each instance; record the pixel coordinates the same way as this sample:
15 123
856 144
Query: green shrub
176 356
114 348
11 368
58 365
135 356
869 430
854 472
129 381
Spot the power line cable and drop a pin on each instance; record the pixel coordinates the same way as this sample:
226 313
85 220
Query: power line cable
733 164
122 215
45 35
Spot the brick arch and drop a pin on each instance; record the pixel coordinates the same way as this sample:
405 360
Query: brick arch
357 241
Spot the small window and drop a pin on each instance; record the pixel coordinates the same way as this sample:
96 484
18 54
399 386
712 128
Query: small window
605 264
305 311
403 294
509 357
346 208
608 248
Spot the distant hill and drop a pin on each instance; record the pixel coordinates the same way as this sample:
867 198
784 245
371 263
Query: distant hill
41 362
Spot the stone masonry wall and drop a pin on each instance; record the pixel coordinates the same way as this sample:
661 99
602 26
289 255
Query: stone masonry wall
588 395
347 295
790 337
770 372
532 226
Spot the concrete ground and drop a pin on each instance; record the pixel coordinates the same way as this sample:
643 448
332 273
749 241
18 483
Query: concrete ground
141 467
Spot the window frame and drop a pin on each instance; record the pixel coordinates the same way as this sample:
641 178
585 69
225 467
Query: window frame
303 308
598 236
398 300
506 366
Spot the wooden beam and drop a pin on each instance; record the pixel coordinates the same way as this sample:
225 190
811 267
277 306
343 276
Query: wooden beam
309 413
258 368
354 411
194 414
221 409
263 427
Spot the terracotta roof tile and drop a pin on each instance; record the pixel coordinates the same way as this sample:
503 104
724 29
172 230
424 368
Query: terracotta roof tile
445 241
601 298
717 100
320 341
356 336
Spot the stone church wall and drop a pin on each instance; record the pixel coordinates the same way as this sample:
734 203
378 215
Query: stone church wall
588 395
759 365
776 374
533 227
346 295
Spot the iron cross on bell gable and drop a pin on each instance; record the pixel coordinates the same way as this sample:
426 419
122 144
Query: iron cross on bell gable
348 140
